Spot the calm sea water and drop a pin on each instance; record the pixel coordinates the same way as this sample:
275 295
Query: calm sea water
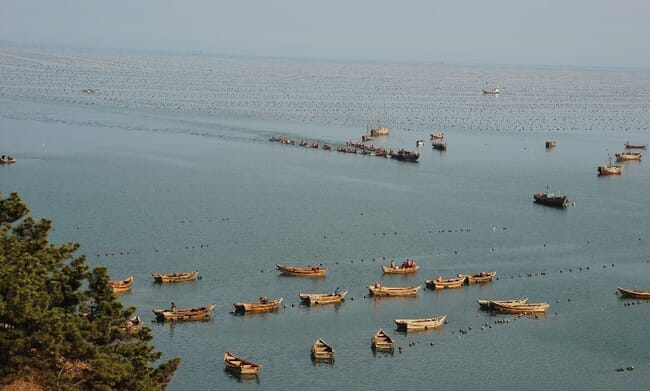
168 168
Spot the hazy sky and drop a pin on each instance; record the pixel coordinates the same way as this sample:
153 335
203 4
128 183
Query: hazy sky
544 32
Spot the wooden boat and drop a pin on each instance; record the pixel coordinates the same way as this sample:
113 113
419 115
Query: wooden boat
122 286
175 277
628 145
440 146
409 156
610 170
491 92
5 159
264 305
526 308
327 147
437 136
449 283
184 313
322 298
478 278
382 131
550 199
551 144
321 350
487 304
132 324
638 294
238 365
302 271
420 324
399 269
394 291
382 342
367 137
420 143
625 156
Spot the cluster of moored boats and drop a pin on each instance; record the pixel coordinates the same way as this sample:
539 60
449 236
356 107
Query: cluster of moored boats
617 169
359 147
321 350
562 201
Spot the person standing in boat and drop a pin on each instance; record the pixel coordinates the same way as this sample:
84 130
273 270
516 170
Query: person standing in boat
337 291
392 263
173 307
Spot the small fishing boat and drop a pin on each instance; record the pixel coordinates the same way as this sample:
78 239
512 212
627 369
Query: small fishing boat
314 271
420 324
6 159
122 286
523 308
264 305
382 131
408 266
409 156
610 170
420 143
628 145
491 92
551 144
175 277
239 366
437 136
440 283
394 291
132 324
637 294
184 313
625 156
550 199
382 342
367 137
322 298
479 278
439 145
487 304
321 350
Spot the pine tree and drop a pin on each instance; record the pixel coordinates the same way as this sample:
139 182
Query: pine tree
52 331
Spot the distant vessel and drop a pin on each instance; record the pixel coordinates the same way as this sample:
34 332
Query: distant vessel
550 199
627 156
379 132
491 92
635 146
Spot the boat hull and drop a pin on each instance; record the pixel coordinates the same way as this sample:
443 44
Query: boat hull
399 270
321 350
420 324
184 313
445 284
240 366
301 271
122 286
551 200
259 307
322 298
520 308
635 293
175 277
394 291
382 342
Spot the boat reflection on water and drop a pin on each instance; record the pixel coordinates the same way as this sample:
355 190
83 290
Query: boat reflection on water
243 377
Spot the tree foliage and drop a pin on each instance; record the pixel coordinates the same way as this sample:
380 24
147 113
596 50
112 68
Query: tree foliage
60 322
